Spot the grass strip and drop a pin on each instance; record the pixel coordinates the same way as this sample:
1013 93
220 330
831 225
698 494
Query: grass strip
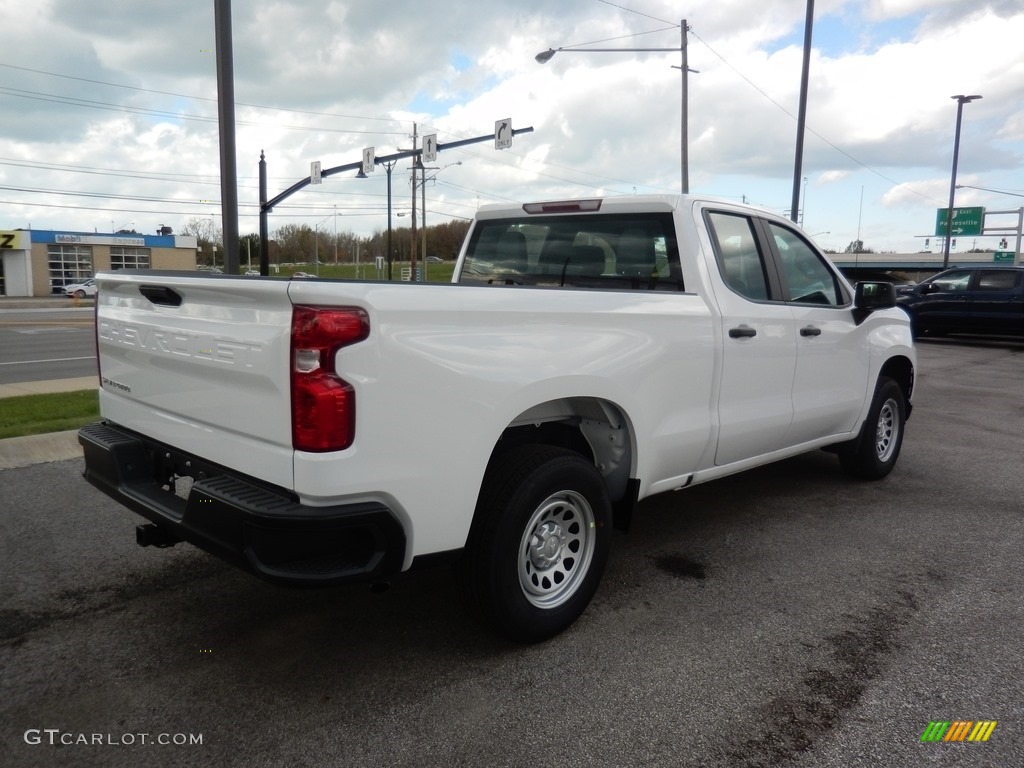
56 412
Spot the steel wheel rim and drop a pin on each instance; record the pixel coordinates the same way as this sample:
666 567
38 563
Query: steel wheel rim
887 430
556 549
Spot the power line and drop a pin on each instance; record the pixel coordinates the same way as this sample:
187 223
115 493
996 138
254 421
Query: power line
841 151
198 98
109 107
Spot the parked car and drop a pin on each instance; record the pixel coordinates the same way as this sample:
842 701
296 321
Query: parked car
974 299
862 275
82 289
302 274
435 260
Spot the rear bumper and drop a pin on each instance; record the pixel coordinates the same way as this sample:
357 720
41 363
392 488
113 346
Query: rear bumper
257 527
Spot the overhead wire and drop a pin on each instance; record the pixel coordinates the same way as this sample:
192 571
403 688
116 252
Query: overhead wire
757 88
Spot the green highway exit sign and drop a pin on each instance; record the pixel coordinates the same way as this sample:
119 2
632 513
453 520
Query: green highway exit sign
966 221
1003 257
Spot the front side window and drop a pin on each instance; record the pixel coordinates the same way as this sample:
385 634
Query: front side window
808 278
952 282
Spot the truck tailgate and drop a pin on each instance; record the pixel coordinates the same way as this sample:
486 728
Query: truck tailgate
200 361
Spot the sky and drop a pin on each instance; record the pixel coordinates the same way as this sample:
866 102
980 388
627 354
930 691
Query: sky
108 109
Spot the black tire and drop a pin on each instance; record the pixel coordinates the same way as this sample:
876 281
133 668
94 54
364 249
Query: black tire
875 451
919 329
79 294
539 542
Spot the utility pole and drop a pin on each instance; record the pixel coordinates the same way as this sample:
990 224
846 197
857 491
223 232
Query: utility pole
226 122
801 119
684 139
423 200
415 162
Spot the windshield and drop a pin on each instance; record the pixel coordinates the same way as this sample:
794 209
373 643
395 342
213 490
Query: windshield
634 251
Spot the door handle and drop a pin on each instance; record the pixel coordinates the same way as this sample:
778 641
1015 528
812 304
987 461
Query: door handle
743 332
810 330
161 294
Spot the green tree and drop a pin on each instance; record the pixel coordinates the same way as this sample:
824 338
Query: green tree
445 240
249 251
208 237
296 243
857 246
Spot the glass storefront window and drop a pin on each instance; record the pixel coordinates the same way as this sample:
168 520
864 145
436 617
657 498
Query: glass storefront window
129 257
68 264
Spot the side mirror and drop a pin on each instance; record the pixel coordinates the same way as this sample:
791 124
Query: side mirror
871 296
929 288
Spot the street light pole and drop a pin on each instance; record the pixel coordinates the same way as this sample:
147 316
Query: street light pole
316 243
960 101
545 56
423 201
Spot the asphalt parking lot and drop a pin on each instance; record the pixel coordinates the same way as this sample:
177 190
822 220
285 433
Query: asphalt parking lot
785 617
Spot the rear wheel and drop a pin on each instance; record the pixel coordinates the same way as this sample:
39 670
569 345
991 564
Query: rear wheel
539 542
873 454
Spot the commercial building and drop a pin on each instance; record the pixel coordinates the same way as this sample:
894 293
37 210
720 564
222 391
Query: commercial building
39 262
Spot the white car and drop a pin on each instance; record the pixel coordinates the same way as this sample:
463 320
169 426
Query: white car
81 290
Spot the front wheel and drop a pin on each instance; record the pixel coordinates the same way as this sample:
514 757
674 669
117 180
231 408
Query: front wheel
79 294
873 454
539 542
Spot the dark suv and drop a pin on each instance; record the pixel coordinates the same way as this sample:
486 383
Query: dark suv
974 299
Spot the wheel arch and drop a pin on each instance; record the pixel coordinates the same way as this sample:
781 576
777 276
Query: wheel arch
594 427
901 370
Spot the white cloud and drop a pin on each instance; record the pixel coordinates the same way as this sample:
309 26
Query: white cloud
346 74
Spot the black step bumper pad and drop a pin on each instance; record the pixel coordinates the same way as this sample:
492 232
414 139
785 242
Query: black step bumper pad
255 526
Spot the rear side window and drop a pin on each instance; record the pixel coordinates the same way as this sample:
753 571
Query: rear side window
632 252
998 280
739 258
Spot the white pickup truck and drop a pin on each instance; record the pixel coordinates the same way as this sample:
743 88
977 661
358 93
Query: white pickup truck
588 354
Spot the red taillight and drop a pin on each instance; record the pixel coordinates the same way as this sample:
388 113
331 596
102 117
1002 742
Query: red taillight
564 206
323 404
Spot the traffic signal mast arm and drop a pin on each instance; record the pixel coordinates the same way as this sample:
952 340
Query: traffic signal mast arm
266 206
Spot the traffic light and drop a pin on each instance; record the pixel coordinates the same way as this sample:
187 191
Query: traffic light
953 243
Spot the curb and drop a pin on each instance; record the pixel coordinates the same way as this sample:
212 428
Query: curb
25 451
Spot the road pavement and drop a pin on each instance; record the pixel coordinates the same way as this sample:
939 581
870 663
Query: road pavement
43 340
22 374
784 617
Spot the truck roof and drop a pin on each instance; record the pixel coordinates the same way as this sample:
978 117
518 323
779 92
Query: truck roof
607 204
